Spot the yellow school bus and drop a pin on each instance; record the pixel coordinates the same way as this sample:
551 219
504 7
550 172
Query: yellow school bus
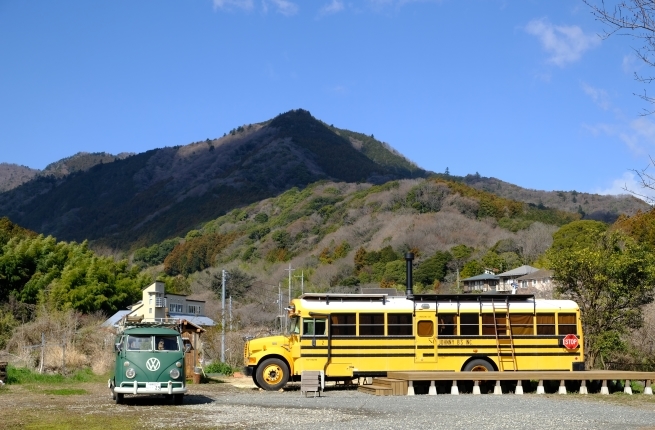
348 336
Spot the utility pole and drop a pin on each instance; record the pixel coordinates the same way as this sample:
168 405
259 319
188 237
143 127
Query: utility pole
230 313
223 318
286 322
302 282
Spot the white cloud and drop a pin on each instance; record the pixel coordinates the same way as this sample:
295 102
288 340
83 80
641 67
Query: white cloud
285 7
629 183
565 44
599 96
638 135
231 4
333 7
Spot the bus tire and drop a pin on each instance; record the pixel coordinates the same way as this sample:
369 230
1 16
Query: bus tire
254 379
178 399
119 398
479 365
272 374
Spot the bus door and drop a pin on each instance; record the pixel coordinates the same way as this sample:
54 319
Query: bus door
313 344
426 337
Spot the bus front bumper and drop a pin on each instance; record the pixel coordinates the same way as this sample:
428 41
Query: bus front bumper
136 387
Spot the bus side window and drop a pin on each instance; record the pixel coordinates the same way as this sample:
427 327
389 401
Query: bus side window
469 324
343 324
425 328
313 327
447 324
522 324
566 324
399 324
371 324
489 326
545 324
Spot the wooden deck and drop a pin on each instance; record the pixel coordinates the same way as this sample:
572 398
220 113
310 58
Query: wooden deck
588 375
402 383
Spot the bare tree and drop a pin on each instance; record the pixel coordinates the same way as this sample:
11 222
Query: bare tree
634 18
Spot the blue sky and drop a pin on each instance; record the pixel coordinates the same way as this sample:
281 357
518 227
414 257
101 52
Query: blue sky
524 91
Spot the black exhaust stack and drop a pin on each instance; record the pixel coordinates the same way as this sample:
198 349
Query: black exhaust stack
409 292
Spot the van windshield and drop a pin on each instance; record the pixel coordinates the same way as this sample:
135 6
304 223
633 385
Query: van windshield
139 343
145 343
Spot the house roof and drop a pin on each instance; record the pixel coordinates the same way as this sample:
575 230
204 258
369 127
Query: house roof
199 320
539 274
482 277
113 320
519 271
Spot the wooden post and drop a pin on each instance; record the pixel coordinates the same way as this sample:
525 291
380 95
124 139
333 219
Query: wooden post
648 390
540 387
42 352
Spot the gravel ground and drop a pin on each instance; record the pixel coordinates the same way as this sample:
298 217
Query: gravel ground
350 409
237 404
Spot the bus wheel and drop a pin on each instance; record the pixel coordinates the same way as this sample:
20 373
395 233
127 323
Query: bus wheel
178 399
254 379
118 398
272 374
478 365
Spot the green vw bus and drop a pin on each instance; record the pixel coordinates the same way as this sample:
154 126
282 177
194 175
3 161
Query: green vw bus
149 360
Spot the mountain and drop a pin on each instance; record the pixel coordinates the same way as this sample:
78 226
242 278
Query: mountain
606 208
13 175
161 193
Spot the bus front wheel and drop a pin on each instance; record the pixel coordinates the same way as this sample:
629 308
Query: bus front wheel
479 365
272 374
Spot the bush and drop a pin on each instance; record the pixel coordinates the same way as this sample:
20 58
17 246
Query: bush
219 367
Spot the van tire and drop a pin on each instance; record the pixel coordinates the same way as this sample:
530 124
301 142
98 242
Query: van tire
178 399
272 374
119 398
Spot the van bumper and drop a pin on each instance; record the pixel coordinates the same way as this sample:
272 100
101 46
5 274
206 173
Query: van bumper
136 387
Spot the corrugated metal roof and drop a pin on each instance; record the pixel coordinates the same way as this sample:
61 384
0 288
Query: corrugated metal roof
113 320
483 277
199 320
519 271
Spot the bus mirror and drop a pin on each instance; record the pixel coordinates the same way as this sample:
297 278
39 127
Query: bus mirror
118 346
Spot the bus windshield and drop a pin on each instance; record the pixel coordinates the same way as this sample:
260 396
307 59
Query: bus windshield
294 325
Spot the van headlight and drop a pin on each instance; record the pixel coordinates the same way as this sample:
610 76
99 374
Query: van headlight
130 373
174 373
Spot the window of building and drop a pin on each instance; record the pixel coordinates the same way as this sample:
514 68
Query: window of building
175 307
469 324
566 324
545 324
371 324
194 309
399 324
342 324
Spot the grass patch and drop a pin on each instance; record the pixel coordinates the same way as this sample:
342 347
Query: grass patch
21 375
66 392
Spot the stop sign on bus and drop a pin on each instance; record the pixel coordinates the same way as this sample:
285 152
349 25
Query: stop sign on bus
570 341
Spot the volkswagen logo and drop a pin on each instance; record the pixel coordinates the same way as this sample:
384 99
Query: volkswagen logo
152 364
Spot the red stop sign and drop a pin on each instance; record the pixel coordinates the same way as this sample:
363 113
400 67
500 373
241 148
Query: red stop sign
570 341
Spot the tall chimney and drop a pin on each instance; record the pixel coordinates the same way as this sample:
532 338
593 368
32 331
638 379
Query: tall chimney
409 257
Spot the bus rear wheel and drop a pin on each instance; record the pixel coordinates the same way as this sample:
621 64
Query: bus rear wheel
479 365
272 374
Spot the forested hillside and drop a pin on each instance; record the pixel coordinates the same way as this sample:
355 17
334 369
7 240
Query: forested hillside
162 193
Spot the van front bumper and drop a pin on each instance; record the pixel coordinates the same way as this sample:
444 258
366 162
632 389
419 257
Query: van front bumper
137 387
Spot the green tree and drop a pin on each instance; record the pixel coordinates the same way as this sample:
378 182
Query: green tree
610 280
578 234
433 268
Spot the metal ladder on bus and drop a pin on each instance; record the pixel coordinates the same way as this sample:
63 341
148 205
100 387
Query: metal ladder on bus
503 346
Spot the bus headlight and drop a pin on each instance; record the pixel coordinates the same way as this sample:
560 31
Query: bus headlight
130 373
126 364
174 373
